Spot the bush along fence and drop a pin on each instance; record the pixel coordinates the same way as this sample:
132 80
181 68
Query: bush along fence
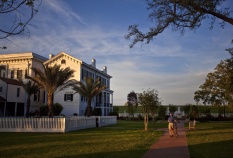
60 125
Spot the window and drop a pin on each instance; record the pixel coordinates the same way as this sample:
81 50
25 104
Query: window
37 96
3 73
63 61
18 92
86 73
84 99
26 73
12 74
68 97
19 74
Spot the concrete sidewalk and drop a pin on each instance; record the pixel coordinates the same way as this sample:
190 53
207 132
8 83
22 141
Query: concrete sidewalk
170 147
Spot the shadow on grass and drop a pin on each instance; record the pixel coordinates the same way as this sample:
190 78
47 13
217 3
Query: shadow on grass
115 154
222 149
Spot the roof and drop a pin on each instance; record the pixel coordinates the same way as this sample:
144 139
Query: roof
2 99
54 58
97 70
11 81
39 57
30 55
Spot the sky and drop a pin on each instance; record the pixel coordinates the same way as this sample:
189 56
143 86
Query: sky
175 65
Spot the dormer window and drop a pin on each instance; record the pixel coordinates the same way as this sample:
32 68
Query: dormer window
63 61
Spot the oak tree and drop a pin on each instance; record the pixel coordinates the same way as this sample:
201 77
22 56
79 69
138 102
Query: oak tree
148 100
216 90
179 15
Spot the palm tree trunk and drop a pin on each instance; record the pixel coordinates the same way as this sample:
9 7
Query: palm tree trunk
50 104
28 106
89 107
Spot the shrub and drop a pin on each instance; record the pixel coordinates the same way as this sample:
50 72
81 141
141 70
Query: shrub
96 112
57 109
34 113
44 110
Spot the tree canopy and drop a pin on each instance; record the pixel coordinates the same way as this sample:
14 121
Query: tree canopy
132 99
149 101
30 88
132 102
179 15
216 88
88 88
51 78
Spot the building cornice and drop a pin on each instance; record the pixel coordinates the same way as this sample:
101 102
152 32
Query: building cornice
21 57
96 70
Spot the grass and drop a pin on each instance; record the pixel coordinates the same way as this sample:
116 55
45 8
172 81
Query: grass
213 139
126 139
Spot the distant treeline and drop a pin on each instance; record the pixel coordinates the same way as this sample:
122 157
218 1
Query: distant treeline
213 109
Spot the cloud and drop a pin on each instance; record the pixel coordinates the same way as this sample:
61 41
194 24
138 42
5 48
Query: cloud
62 9
173 88
172 64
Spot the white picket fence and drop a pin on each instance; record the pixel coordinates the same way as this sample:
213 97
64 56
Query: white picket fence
61 125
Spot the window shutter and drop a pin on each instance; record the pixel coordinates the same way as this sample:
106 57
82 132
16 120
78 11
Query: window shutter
64 97
71 97
38 93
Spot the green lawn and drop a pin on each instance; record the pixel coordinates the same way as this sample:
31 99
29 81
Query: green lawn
210 140
127 139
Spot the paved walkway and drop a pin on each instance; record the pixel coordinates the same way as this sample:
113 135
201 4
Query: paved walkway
170 147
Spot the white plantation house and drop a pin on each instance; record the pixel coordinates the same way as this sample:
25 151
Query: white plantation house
14 67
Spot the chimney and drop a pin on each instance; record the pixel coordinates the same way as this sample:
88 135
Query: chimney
105 69
50 56
93 62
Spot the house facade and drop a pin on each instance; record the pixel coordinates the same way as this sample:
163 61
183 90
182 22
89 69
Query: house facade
16 66
11 97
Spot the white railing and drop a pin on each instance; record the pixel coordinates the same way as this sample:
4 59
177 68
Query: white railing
54 124
106 120
79 122
32 124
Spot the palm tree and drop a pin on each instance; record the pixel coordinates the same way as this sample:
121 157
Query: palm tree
50 79
89 89
30 89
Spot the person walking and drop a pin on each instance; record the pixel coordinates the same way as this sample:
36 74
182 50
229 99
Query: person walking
171 121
